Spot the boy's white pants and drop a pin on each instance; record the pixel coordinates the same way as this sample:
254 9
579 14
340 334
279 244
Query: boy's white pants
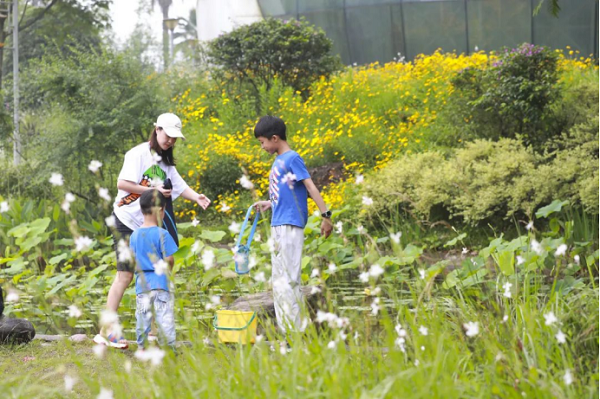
286 277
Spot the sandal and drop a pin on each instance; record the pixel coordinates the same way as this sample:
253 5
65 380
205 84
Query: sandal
111 341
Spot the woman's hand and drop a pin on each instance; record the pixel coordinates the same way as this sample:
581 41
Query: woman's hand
165 192
203 201
262 205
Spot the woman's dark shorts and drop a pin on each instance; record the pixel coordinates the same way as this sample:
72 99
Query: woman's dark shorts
122 232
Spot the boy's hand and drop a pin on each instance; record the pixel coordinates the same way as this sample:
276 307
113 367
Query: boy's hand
326 227
262 205
203 201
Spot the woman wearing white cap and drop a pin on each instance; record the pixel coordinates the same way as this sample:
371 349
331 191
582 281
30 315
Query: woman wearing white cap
146 167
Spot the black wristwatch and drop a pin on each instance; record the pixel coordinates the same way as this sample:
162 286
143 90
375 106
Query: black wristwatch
326 215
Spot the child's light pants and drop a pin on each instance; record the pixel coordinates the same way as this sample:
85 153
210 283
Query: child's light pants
286 277
157 303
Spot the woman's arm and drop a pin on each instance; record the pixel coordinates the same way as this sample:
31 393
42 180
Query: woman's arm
135 188
200 199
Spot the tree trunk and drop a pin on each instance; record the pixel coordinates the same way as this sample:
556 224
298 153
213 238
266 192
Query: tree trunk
165 13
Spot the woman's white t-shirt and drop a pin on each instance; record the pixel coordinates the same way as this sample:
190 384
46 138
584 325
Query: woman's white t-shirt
141 168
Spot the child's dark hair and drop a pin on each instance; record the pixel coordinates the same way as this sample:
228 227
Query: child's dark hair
152 199
166 155
269 126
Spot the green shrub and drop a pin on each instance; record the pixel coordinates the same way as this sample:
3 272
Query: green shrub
220 177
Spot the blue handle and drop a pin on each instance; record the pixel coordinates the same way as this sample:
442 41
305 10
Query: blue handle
252 230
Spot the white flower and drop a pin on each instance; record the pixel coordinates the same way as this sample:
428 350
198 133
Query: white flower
550 318
195 222
331 345
108 318
257 237
417 363
69 197
422 274
94 166
472 328
422 348
400 331
127 366
260 277
225 207
74 311
423 330
83 243
12 296
314 273
246 183
506 287
99 350
375 307
359 179
332 319
568 378
215 301
561 250
258 339
364 277
111 221
529 225
105 394
289 178
314 290
536 246
499 356
464 251
153 354
196 246
66 206
396 237
156 158
208 259
124 251
360 229
103 193
69 383
271 244
3 207
399 343
376 271
252 261
520 260
505 318
561 338
161 267
331 268
339 227
234 227
576 259
56 179
367 201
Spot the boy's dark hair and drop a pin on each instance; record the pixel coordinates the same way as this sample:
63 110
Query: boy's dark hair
269 126
152 199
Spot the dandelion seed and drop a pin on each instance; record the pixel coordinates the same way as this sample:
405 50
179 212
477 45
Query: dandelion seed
376 271
195 222
56 179
69 383
315 273
94 166
506 287
12 296
576 259
400 331
260 277
74 311
396 237
108 318
103 193
520 260
156 158
561 250
505 318
423 330
331 268
359 179
476 49
561 338
111 221
4 207
225 208
465 251
331 345
234 227
246 183
529 225
472 328
83 243
399 343
105 394
550 318
152 354
99 350
124 251
422 274
258 339
364 277
367 201
338 227
289 179
161 267
568 378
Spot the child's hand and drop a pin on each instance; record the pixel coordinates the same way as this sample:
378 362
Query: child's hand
326 227
262 205
203 201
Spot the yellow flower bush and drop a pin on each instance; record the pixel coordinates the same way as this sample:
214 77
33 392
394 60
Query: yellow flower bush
364 117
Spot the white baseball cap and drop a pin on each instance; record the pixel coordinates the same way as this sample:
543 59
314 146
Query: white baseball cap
171 124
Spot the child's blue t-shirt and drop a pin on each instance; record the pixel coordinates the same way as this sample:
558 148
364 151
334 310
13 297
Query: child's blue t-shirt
287 191
149 245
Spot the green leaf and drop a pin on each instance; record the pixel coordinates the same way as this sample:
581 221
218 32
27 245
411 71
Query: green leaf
56 259
453 242
506 261
212 236
210 275
547 210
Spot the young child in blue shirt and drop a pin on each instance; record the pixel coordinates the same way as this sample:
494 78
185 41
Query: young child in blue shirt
153 248
289 187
